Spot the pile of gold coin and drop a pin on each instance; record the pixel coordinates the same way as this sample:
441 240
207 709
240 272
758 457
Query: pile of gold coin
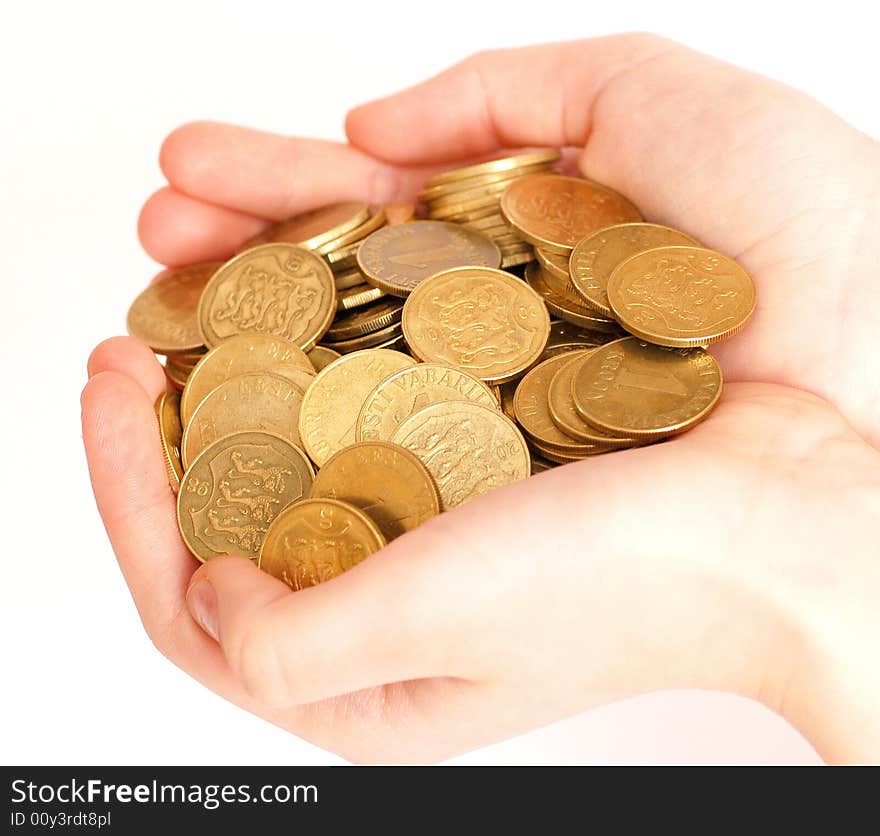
471 197
354 371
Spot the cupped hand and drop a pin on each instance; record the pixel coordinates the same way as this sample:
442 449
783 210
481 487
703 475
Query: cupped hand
741 556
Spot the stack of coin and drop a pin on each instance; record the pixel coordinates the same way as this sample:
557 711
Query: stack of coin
471 196
317 423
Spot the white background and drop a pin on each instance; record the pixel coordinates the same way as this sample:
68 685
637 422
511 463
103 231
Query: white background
88 92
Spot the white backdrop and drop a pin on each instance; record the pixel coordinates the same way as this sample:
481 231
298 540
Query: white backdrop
88 92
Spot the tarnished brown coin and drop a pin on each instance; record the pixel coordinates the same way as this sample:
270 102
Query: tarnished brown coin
321 357
564 302
333 402
170 433
564 413
468 448
165 315
366 320
260 401
530 405
234 490
681 296
314 228
240 355
545 156
407 391
631 388
594 258
554 212
280 290
484 321
317 540
397 259
387 482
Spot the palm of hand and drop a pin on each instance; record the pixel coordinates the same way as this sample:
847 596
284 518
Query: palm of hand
700 562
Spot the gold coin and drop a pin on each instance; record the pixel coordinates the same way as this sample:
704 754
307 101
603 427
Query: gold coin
554 263
558 457
515 259
681 296
461 196
546 156
486 209
631 388
468 448
506 391
240 355
387 482
399 213
276 289
483 204
358 296
235 489
366 320
317 540
565 302
259 401
375 221
348 280
367 340
331 406
540 464
170 432
493 221
594 258
554 212
530 405
567 337
564 413
321 357
484 321
165 315
407 391
312 229
178 375
398 258
466 184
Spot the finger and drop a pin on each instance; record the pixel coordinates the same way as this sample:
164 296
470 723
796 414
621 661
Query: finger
386 620
540 95
274 177
176 229
129 357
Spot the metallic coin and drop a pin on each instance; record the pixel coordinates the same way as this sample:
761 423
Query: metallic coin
533 414
397 343
315 228
630 388
681 296
398 258
240 355
317 540
564 302
486 209
260 401
321 357
564 413
506 391
515 259
165 315
387 482
276 289
469 449
554 263
399 213
348 280
484 321
235 489
540 464
462 196
366 320
474 206
546 156
376 221
176 374
333 402
558 457
489 222
594 258
358 296
554 212
170 432
407 391
567 337
466 184
367 340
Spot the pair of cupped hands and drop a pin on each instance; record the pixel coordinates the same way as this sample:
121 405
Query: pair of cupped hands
742 556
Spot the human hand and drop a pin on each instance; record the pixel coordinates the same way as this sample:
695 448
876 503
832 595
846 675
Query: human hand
741 556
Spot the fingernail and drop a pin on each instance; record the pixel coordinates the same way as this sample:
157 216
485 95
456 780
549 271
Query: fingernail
202 602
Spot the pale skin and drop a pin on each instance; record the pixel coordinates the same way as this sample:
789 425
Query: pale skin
742 556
